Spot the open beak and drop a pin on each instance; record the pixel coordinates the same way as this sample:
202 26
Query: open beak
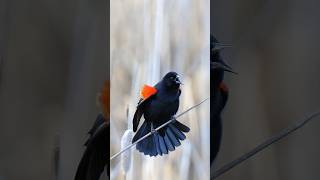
219 46
223 66
177 80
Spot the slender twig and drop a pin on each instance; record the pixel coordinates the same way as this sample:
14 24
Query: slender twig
56 158
262 146
158 128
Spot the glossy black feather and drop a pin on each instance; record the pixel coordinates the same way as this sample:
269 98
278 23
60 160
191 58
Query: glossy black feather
139 112
218 100
157 110
95 157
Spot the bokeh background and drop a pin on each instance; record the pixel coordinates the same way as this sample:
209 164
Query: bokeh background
275 49
147 40
53 62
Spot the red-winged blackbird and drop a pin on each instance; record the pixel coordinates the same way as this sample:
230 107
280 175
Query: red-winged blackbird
158 105
219 95
96 155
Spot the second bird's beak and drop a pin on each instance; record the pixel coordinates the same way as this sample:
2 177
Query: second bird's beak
219 46
223 66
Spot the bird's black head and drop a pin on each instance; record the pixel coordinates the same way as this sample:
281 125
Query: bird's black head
215 45
216 62
171 80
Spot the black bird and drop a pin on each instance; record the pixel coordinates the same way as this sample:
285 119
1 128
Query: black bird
158 105
96 155
219 95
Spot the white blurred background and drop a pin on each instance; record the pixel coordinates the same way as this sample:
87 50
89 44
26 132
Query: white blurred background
147 40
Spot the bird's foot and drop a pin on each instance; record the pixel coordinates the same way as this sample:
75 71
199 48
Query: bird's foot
152 129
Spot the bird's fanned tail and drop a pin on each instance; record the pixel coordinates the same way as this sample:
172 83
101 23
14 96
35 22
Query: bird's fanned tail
162 142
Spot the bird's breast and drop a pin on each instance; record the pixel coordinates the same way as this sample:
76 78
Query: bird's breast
161 109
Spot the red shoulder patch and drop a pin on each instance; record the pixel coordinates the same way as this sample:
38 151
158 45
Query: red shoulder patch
147 91
223 87
105 100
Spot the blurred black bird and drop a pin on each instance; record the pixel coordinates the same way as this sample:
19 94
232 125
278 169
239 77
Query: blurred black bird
219 95
159 104
96 155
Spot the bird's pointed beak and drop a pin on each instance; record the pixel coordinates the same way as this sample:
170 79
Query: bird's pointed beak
223 66
220 46
177 80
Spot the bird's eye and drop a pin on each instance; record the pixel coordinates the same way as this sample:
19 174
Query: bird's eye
171 77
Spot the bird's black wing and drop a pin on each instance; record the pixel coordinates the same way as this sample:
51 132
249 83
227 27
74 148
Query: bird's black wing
139 111
95 157
218 102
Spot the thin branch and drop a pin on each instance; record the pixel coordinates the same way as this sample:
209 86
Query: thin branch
56 158
262 146
158 128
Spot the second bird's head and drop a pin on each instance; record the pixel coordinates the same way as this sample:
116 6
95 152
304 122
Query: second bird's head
171 80
216 62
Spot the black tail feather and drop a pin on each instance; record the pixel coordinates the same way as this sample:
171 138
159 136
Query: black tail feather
160 143
181 126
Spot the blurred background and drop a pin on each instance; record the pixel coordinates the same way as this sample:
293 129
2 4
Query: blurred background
149 39
275 49
53 62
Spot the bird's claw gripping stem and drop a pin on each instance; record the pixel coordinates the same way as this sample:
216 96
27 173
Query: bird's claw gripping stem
152 129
